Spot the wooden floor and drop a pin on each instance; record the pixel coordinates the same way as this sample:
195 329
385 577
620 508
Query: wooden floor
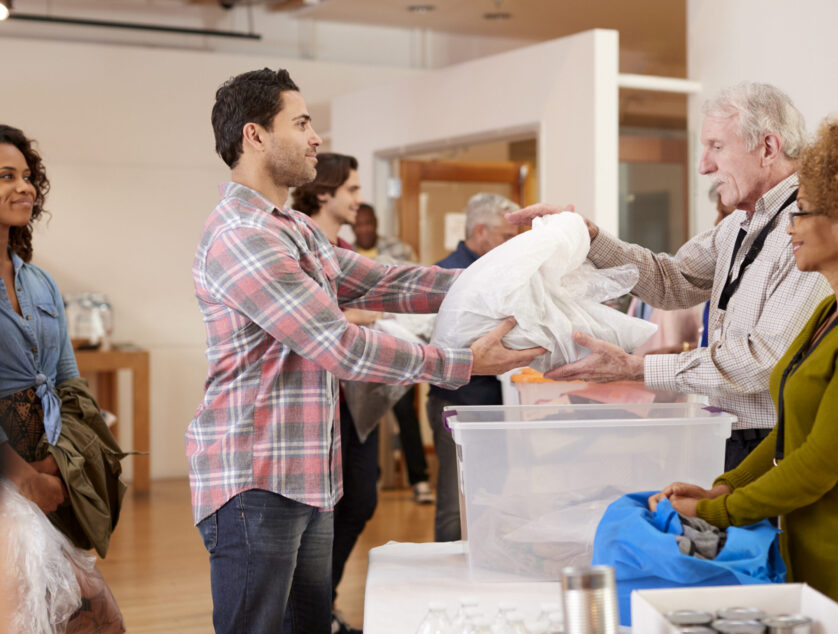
159 571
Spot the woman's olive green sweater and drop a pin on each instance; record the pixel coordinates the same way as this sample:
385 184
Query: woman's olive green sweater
802 488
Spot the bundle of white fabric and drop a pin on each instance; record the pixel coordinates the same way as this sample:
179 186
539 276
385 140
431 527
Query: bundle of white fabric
42 564
542 279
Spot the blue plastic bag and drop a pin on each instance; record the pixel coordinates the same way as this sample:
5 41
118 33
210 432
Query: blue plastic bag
641 547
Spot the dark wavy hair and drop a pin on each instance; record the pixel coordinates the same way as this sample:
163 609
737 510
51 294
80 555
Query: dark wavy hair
332 172
20 238
253 97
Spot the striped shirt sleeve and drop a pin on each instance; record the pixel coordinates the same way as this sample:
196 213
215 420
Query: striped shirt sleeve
741 362
666 281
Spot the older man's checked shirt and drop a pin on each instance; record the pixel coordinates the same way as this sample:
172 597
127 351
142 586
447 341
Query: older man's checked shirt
767 311
268 284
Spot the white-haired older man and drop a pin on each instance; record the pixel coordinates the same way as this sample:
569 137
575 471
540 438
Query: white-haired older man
486 228
752 135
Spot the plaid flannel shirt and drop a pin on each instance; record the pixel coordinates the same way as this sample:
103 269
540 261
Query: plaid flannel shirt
763 317
269 284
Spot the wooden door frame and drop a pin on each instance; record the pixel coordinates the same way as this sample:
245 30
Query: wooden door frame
413 172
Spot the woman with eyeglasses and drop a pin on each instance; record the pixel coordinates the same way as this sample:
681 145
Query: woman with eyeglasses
793 473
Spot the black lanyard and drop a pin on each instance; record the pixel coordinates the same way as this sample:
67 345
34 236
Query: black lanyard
730 284
796 361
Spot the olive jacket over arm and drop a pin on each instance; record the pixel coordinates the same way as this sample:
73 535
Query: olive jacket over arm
88 458
802 488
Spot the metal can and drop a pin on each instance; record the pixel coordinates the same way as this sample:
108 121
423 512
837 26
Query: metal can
738 626
689 617
788 624
589 596
741 614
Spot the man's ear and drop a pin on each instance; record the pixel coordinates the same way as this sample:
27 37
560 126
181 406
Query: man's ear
772 148
323 198
253 135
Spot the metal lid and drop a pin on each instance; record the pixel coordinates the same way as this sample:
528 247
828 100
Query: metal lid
591 578
689 617
743 614
787 619
788 624
738 626
696 629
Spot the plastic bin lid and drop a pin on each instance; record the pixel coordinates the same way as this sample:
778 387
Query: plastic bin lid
473 417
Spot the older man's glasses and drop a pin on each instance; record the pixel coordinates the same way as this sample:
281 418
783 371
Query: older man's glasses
794 215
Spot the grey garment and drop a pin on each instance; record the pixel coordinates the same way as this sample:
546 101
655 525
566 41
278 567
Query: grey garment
701 539
447 518
368 402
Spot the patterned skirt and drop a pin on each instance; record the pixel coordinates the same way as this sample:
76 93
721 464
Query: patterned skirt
22 418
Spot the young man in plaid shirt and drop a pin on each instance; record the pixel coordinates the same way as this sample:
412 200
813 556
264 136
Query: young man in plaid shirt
264 447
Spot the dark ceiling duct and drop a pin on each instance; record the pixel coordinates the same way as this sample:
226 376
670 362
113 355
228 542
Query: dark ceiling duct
158 28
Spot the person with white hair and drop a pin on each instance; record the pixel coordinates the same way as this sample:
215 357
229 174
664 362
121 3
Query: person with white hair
486 228
752 136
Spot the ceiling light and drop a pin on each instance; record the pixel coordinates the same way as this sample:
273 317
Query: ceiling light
421 8
5 8
497 15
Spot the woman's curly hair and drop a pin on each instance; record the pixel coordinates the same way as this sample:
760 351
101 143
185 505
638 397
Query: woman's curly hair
20 238
818 173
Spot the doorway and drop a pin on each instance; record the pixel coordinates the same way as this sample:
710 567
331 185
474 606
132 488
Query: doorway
653 188
435 192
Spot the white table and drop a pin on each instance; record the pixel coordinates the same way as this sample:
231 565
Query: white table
403 578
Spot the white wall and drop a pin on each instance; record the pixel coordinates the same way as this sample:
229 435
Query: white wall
128 146
564 92
790 45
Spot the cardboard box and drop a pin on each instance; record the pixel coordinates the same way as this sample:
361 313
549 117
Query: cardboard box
649 606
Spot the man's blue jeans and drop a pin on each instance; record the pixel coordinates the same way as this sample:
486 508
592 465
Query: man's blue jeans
266 553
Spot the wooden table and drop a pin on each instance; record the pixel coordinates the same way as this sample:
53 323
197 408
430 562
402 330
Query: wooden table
104 365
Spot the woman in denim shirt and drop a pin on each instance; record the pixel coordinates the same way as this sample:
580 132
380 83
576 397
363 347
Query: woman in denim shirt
35 349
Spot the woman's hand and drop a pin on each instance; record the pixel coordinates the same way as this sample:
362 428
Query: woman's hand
492 357
47 491
685 506
48 465
682 493
44 489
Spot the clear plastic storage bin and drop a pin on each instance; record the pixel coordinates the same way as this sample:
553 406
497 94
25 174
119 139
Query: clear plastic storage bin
535 480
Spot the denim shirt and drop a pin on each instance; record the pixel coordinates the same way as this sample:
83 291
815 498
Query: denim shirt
35 349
